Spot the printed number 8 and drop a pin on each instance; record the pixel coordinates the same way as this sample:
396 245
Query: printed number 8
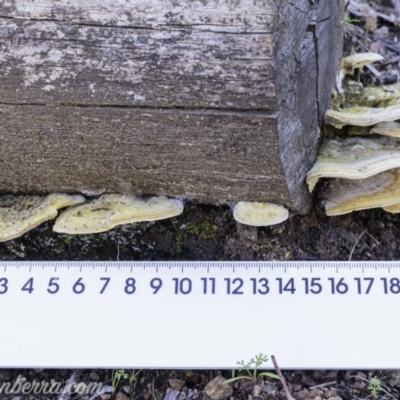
130 287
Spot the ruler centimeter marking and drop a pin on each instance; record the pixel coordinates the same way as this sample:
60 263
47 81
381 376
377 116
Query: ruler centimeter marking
199 314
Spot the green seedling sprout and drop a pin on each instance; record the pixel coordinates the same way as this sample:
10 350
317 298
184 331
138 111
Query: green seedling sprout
251 368
116 376
374 386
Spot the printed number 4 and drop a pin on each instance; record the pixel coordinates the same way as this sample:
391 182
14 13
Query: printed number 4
28 287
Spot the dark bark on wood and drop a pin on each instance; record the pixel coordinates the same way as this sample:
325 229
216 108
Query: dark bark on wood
219 101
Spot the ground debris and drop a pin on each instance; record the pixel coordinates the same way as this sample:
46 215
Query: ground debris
217 390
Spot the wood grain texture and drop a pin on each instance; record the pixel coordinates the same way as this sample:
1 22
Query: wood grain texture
208 156
217 100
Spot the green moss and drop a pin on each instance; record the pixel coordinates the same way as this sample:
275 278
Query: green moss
204 229
65 241
178 244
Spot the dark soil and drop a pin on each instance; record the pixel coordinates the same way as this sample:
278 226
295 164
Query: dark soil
210 233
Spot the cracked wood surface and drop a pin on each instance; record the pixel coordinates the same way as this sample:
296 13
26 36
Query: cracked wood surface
217 100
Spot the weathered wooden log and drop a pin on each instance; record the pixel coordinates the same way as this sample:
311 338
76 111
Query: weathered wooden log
217 100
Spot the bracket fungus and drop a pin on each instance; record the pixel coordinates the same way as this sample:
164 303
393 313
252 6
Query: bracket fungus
391 129
386 129
393 209
362 116
110 210
354 158
19 214
350 63
381 190
259 214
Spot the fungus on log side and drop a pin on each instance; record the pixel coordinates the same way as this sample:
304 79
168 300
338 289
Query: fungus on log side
350 63
20 214
386 129
362 116
344 196
216 100
354 158
393 209
110 210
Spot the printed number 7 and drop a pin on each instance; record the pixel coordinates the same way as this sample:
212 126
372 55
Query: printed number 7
106 282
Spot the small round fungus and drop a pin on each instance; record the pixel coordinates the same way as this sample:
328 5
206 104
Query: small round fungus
259 214
110 210
20 214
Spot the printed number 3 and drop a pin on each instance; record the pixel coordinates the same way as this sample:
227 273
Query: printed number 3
3 285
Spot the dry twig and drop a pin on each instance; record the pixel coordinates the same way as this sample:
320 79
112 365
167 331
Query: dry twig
282 379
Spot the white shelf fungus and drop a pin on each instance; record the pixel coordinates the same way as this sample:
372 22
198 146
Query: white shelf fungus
111 210
354 158
19 214
350 63
380 190
393 209
362 116
259 214
386 129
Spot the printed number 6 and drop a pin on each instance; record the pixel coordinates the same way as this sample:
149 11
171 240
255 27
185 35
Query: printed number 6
78 287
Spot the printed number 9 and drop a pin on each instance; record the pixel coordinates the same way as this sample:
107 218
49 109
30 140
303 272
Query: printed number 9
156 284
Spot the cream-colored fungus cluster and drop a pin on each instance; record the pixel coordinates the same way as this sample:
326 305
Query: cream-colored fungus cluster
111 210
366 165
19 214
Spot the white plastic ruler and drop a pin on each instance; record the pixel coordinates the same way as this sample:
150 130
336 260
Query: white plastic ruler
318 315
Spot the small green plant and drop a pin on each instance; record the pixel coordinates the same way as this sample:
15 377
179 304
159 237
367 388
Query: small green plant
116 376
374 386
134 376
348 20
178 244
251 369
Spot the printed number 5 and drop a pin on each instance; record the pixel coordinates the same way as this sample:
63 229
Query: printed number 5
54 285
